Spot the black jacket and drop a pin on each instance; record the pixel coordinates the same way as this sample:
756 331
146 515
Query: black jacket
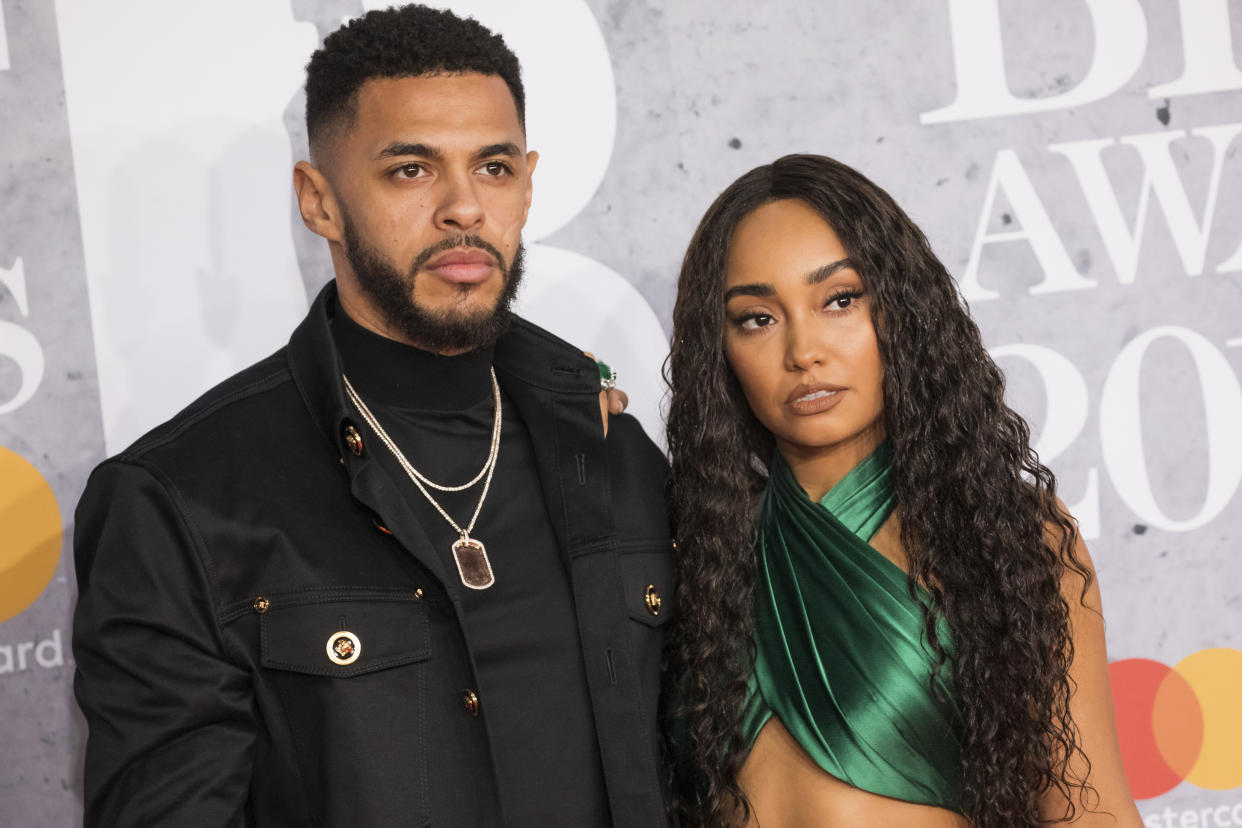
216 556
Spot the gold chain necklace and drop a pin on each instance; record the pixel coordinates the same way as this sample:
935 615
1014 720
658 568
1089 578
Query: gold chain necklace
469 553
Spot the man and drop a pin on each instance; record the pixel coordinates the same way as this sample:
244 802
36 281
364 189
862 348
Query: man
393 574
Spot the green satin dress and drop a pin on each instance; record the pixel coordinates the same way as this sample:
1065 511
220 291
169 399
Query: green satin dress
841 659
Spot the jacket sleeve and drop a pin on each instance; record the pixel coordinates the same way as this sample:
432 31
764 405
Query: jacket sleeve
171 719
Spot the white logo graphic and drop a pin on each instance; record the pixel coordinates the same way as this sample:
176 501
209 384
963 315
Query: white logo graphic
1120 33
19 344
1160 178
1122 439
4 42
1120 422
1161 182
183 179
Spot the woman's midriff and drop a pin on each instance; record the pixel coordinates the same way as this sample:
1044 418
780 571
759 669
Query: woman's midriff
787 789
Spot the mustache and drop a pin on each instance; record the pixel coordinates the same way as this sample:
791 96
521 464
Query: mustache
453 242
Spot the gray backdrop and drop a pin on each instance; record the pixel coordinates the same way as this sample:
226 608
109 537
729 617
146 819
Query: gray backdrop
1074 162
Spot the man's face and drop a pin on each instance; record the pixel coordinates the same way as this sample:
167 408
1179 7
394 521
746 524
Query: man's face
433 183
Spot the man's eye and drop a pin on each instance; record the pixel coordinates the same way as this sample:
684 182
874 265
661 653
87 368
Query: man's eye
495 168
409 171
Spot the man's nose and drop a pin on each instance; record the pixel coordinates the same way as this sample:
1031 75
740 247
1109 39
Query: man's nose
459 209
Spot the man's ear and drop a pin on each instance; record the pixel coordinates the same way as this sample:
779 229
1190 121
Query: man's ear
316 202
532 158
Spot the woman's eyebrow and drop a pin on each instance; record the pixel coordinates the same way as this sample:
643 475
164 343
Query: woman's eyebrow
819 274
753 289
816 276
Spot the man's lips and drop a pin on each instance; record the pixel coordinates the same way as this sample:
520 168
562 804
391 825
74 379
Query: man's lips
467 265
814 398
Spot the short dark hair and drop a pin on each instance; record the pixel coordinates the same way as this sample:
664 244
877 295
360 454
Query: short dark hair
409 41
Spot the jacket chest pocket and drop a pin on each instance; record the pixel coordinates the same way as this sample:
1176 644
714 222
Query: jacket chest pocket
344 633
350 670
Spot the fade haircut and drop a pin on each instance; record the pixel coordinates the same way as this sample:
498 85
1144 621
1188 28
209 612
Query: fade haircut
410 41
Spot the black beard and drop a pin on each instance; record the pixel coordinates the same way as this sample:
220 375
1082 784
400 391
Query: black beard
440 331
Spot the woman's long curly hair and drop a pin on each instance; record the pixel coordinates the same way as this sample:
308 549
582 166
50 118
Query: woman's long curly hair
980 521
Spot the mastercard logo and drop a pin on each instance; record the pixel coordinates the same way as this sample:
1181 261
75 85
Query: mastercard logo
1180 723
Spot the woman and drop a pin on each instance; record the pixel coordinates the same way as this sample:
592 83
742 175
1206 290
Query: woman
925 645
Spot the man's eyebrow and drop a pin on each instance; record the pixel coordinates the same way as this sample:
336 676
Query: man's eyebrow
507 149
819 274
398 148
753 289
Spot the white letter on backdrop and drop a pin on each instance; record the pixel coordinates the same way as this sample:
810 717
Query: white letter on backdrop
979 58
1121 433
1037 230
1208 48
1160 178
19 344
4 42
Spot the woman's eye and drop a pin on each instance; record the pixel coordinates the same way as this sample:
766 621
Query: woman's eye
841 301
755 321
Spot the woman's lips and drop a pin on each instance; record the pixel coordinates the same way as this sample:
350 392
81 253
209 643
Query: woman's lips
462 265
816 398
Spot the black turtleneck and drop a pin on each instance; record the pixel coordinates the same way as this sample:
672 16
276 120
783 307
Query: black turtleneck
523 629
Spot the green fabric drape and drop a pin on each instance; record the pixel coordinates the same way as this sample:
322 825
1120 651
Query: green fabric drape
841 659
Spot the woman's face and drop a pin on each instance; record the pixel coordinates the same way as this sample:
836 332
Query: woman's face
799 336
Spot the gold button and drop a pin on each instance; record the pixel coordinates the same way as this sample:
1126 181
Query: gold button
261 605
353 440
471 700
653 600
343 648
418 594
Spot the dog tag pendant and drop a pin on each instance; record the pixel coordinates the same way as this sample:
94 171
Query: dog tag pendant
472 563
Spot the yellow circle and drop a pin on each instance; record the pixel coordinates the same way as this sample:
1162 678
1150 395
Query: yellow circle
1216 675
30 534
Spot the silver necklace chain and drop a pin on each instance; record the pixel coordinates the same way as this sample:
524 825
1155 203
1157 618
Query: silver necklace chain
488 468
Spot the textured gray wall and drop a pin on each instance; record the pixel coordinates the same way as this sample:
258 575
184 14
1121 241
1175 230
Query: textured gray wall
1138 401
58 430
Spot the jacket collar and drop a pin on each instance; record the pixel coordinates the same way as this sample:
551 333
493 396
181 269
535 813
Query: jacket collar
526 354
316 367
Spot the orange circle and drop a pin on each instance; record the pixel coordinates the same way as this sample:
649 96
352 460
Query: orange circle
1177 723
30 534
